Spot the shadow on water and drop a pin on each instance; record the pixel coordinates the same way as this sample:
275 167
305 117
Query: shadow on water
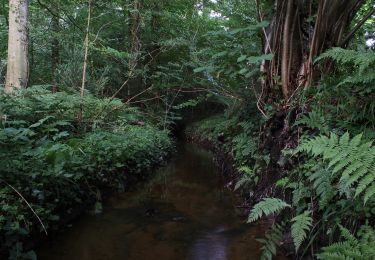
182 213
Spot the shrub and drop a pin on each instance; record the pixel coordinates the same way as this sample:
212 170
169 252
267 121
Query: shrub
51 163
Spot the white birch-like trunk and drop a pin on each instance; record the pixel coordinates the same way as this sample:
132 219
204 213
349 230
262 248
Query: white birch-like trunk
18 65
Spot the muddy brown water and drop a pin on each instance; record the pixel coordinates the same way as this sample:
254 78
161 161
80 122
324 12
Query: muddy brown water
184 212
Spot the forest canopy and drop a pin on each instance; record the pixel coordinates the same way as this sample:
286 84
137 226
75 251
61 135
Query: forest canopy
285 88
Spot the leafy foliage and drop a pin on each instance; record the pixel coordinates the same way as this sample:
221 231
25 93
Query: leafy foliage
248 178
315 120
192 55
267 207
352 160
59 164
348 95
352 247
301 225
362 60
271 241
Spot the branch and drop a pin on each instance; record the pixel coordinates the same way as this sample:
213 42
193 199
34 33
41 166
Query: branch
130 99
45 6
357 27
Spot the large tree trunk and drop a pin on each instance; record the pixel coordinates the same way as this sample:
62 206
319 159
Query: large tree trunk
18 67
299 31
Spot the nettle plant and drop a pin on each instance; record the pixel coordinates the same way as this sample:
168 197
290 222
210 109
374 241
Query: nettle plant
53 164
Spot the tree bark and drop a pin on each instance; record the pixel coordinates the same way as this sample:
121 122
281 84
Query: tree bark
299 32
18 65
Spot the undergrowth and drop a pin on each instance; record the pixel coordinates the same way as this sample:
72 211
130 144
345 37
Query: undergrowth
328 186
53 165
323 202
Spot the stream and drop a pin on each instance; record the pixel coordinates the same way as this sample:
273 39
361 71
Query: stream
183 212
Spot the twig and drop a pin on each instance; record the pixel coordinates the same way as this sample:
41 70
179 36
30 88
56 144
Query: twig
356 28
145 100
28 204
142 92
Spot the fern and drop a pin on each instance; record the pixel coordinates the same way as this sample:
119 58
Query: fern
271 241
282 183
267 207
352 161
300 227
248 177
300 193
362 60
322 184
365 78
352 247
315 120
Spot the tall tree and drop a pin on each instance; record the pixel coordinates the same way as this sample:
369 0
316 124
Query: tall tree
299 31
18 67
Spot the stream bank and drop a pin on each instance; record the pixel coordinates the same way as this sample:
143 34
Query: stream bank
184 212
54 166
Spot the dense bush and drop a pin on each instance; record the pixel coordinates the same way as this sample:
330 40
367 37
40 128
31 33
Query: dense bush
237 138
53 164
324 192
329 183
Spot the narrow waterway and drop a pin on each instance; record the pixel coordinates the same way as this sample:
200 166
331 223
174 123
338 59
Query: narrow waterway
184 212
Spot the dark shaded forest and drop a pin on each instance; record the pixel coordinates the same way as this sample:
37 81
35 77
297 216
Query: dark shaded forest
96 95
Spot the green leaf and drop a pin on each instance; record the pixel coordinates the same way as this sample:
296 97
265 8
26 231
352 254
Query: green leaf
267 207
300 227
242 58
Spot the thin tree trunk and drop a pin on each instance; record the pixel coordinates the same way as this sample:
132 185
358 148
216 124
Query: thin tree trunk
55 47
18 65
135 36
285 60
135 45
86 44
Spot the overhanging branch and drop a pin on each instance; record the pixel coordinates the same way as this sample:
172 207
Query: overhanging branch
357 27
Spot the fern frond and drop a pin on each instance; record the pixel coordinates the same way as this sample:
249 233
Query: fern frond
352 247
369 193
363 60
351 161
248 177
315 120
300 227
345 233
267 207
244 180
271 241
322 184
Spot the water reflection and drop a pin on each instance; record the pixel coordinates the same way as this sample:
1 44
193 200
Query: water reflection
182 213
211 246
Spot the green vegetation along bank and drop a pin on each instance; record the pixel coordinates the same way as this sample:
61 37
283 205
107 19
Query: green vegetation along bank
304 193
310 168
54 165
